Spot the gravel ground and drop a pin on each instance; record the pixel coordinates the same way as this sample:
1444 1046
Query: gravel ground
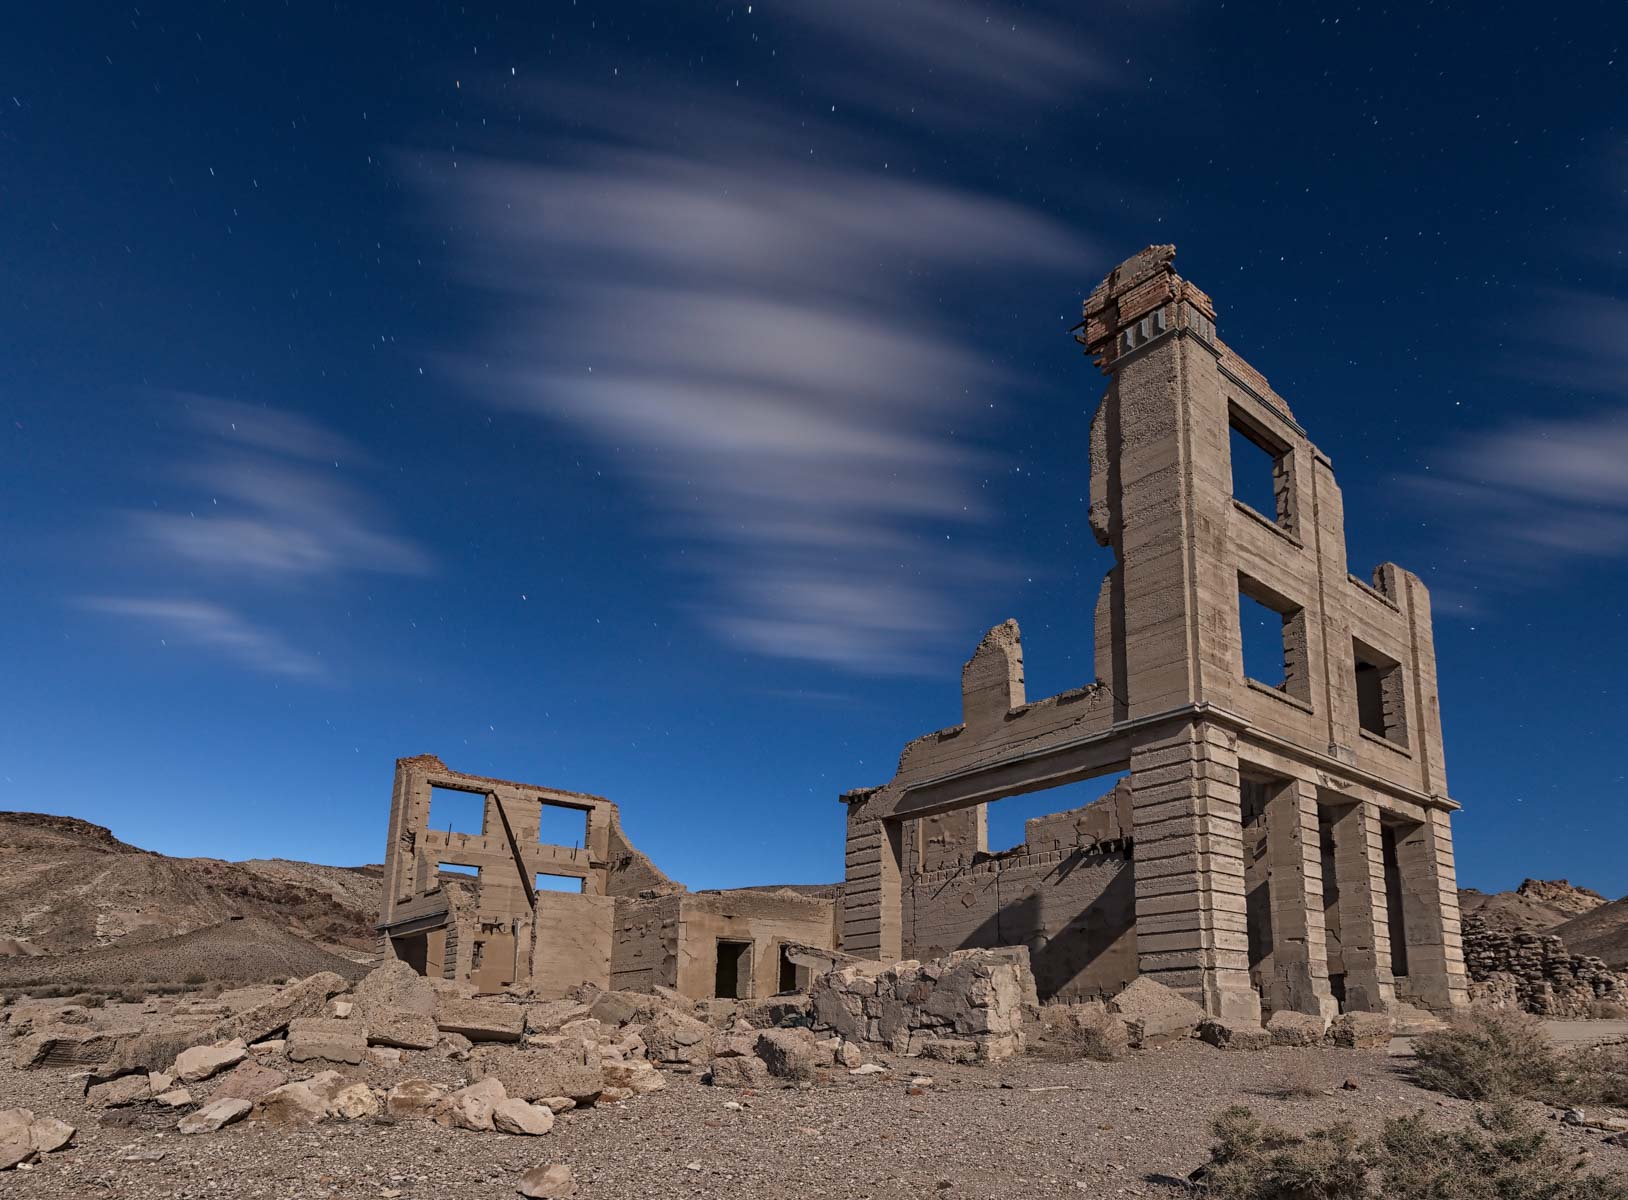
1023 1129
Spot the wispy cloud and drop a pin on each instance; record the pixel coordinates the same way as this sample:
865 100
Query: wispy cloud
758 340
259 499
1522 502
211 627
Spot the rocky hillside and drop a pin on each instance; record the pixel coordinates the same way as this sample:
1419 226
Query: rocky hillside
1538 905
68 886
1602 932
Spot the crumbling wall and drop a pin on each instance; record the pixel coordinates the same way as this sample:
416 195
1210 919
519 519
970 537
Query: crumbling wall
767 920
1535 972
644 943
969 1006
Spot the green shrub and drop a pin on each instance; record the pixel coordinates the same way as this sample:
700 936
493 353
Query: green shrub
1504 1159
1489 1054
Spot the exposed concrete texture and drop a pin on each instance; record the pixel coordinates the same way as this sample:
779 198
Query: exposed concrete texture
1283 829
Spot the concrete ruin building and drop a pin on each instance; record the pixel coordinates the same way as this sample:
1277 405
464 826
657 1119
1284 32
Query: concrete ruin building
540 888
1280 839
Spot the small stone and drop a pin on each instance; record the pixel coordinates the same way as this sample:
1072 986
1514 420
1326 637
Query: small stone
558 1104
49 1134
412 1098
290 1106
340 1010
471 1107
247 1081
868 1069
174 1098
116 1093
215 1115
551 1182
269 1046
1351 1085
384 1056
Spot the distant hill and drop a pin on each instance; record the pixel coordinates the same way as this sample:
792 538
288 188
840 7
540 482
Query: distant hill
67 886
1602 932
249 950
1537 906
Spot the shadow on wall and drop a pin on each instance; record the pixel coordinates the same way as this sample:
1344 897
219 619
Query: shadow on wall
1081 947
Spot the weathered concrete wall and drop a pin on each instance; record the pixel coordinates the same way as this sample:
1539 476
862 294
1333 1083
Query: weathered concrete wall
572 943
765 919
1074 909
644 943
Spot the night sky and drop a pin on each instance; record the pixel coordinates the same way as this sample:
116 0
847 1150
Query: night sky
660 400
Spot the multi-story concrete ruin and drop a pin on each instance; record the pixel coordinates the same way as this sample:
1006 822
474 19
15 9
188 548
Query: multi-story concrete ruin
497 905
1281 839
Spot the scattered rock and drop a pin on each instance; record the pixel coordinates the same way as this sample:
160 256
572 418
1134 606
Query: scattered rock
1361 1031
326 1039
1296 1029
748 1071
116 1093
247 1081
481 1020
551 1182
550 1015
413 1098
174 1098
16 1142
290 1106
49 1134
788 1053
471 1107
1155 1015
868 1069
534 1074
405 1030
637 1076
353 1103
1229 1035
201 1062
269 1046
515 1116
676 1039
215 1115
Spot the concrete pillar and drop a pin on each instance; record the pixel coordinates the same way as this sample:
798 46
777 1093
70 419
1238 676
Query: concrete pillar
871 924
1430 914
1191 924
1299 979
1365 943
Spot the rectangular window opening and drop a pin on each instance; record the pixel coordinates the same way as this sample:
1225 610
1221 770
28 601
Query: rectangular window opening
561 825
454 811
1381 709
560 883
461 873
1272 637
1260 469
733 980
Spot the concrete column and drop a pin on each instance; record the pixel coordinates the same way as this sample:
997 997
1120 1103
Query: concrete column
1430 914
1191 924
1365 943
1299 980
871 924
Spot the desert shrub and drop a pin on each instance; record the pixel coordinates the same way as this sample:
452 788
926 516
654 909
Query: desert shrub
1598 1075
1252 1160
1608 1010
90 1000
1504 1158
1299 1080
1070 1032
1489 1054
196 978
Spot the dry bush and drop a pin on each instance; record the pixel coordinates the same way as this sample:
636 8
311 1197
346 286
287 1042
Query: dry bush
1597 1075
90 1000
1299 1080
1504 1159
1070 1032
1608 1010
1489 1054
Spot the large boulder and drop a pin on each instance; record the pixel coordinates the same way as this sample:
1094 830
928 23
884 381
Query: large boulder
16 1142
1362 1031
1154 1014
1295 1028
481 1020
247 1081
50 1135
327 1039
291 1106
635 1075
413 1098
153 1051
740 1071
403 1030
674 1039
540 1073
515 1116
394 988
1233 1035
788 1053
549 1015
472 1107
201 1062
353 1102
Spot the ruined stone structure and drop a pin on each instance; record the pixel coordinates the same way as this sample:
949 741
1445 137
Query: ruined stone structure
1535 972
1281 841
484 907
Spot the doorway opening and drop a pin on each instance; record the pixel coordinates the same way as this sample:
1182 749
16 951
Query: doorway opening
734 974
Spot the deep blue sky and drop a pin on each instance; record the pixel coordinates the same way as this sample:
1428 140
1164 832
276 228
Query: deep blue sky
660 400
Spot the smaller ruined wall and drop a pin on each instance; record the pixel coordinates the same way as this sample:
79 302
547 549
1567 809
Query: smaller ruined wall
572 942
1535 972
766 919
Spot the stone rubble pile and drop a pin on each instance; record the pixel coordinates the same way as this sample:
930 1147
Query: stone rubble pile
1536 973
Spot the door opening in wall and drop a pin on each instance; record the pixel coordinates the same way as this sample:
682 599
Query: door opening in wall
1255 796
413 950
734 973
788 981
1331 904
